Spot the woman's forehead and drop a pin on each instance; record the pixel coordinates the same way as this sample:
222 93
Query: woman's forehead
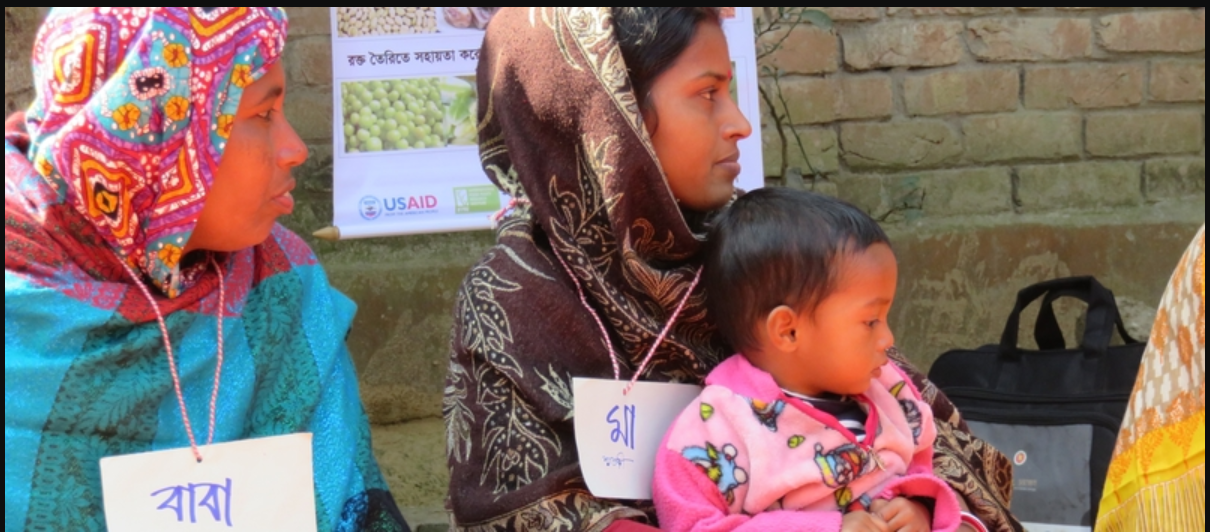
707 55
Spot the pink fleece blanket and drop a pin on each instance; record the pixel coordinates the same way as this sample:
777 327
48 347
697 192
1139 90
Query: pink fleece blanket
745 456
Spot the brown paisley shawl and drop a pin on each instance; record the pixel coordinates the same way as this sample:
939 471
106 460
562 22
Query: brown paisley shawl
561 132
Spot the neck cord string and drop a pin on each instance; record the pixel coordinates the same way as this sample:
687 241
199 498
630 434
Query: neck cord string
617 367
172 366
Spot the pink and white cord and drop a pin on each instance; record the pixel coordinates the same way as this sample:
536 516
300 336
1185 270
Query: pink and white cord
172 367
500 215
613 356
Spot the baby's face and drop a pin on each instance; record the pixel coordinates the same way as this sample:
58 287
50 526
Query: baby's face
842 346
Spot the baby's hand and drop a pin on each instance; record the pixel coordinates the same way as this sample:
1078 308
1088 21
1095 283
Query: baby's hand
903 515
863 522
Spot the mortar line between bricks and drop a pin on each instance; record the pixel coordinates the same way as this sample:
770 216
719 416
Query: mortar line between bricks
1016 190
899 93
1085 154
1143 185
1022 72
1147 76
1203 131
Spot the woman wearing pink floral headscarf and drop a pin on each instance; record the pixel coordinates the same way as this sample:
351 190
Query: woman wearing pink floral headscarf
145 277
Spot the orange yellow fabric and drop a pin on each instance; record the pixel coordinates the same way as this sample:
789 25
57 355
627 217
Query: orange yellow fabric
1157 480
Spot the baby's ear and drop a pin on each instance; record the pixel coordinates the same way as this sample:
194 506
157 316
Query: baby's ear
781 329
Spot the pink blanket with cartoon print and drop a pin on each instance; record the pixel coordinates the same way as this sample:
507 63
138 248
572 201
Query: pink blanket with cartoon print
745 456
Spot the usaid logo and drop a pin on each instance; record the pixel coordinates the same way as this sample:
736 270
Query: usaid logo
410 204
370 208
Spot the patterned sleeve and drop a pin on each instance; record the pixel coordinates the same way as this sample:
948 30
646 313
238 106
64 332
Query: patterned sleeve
977 472
510 435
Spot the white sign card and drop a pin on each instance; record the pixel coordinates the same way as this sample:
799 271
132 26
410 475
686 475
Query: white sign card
256 485
618 436
405 137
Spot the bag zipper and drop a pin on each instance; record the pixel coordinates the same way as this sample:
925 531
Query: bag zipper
984 394
1008 417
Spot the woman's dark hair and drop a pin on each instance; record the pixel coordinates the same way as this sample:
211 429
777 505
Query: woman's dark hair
652 38
775 247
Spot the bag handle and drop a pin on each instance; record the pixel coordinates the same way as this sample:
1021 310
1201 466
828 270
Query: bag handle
1101 318
1048 334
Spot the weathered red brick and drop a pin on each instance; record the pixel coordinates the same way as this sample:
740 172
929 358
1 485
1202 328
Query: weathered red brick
306 21
1178 81
310 112
1177 179
771 150
948 11
963 92
309 60
1144 133
851 14
900 145
821 100
20 27
805 50
940 193
1030 39
1022 136
1096 86
1164 31
903 44
1095 185
821 146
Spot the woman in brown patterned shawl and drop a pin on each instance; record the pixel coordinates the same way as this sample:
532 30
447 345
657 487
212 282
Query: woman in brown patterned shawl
563 133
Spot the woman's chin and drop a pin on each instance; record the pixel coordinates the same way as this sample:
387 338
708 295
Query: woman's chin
233 243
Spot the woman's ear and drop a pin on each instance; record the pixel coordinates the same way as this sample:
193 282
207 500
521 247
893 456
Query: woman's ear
781 329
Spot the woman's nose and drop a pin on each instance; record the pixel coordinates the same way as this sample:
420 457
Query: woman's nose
736 126
292 151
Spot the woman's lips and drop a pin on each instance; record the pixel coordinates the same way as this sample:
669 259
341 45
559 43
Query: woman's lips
285 202
732 169
730 166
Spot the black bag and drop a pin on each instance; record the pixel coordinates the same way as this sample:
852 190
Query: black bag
1055 412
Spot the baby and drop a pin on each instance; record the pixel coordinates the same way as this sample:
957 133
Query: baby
810 428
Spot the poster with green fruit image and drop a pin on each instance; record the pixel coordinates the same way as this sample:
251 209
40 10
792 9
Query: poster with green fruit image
408 114
405 110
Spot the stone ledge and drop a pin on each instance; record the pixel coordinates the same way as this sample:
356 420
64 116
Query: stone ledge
412 459
427 519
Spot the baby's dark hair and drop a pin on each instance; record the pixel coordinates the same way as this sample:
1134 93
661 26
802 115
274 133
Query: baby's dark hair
775 247
651 38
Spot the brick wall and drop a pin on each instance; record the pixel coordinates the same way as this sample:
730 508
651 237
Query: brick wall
926 112
917 112
20 23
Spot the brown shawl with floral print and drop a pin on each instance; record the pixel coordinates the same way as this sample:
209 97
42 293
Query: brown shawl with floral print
561 132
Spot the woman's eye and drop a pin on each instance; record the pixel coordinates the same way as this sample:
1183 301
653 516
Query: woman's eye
710 94
873 324
266 115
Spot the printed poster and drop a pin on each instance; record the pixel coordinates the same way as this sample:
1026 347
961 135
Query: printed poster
406 155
